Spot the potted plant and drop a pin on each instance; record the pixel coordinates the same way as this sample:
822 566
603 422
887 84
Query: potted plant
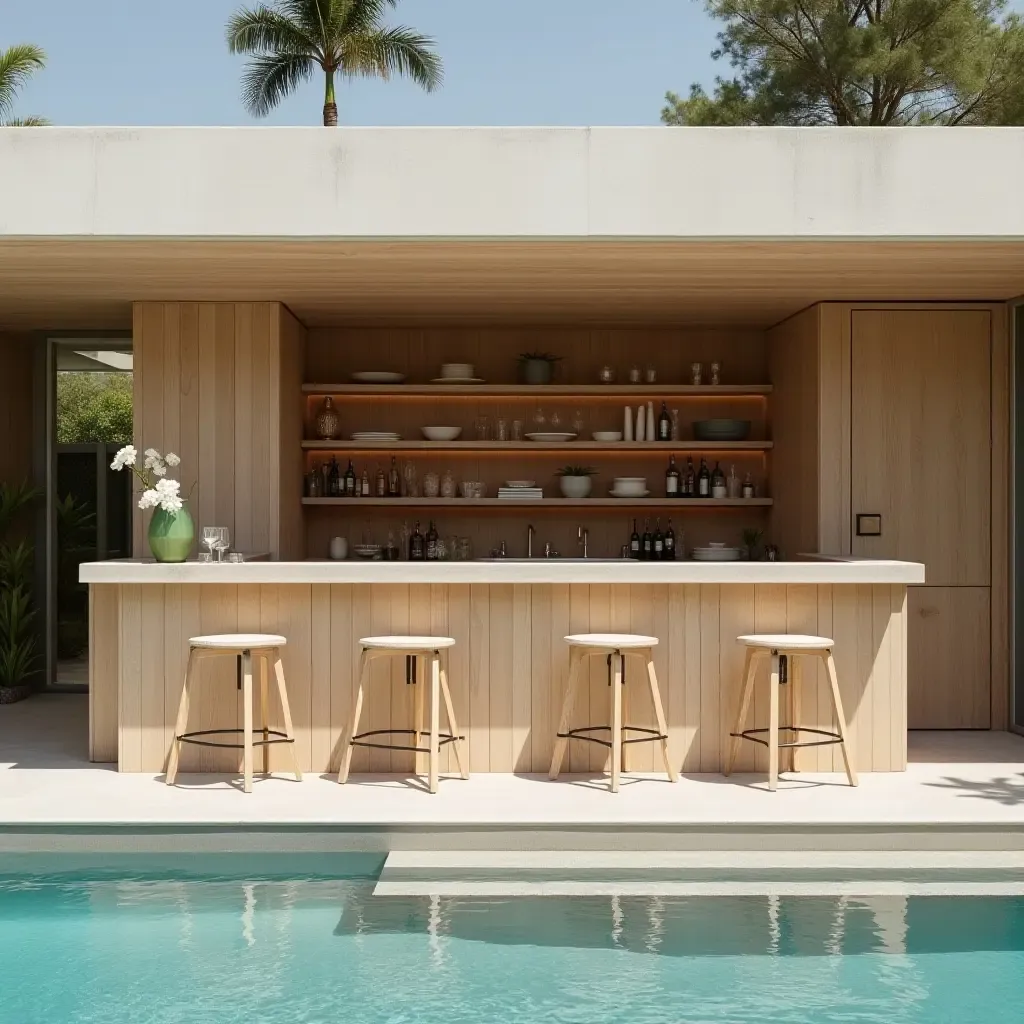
18 640
751 539
171 530
575 481
537 367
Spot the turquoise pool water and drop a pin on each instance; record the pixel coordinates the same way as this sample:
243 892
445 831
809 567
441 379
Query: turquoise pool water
303 941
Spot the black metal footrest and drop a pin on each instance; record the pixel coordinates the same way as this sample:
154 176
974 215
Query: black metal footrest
190 737
359 739
650 735
754 735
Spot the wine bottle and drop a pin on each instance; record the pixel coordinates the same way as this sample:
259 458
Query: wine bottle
670 543
381 483
690 480
394 484
364 485
672 479
647 542
417 549
658 552
432 542
748 487
718 482
350 481
335 487
634 542
703 480
664 424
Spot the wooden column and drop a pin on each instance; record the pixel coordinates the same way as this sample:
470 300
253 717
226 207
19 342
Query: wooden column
16 391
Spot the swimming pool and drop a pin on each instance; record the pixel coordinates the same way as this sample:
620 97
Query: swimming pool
304 940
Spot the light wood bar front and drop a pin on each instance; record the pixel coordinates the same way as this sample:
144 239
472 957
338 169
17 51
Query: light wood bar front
509 666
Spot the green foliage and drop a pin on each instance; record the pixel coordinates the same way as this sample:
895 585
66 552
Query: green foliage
861 62
13 499
545 357
76 526
17 65
287 40
17 615
94 408
576 471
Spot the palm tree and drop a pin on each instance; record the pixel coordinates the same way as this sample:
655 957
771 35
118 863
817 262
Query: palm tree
17 64
289 39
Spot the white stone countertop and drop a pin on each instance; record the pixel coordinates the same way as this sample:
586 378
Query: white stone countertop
810 569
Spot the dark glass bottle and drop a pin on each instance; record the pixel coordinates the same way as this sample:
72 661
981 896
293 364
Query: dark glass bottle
634 542
672 479
381 483
364 485
664 424
417 545
647 542
350 481
659 542
670 543
394 484
335 488
717 482
690 480
432 542
703 480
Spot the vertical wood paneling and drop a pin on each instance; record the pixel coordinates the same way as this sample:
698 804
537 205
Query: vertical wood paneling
437 625
104 673
522 681
1002 475
691 716
579 622
558 626
188 409
897 699
479 667
802 617
545 690
459 656
401 692
130 644
250 615
377 697
420 616
710 730
500 676
175 656
217 678
344 648
601 621
362 625
829 759
190 626
738 614
769 617
17 394
320 678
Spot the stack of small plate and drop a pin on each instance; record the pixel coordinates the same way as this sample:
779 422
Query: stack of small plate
716 553
376 435
521 490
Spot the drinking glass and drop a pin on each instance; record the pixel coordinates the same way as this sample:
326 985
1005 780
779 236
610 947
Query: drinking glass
465 549
517 430
223 542
696 374
483 428
211 534
501 429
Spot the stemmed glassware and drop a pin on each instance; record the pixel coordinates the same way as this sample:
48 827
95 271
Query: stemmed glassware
211 535
217 538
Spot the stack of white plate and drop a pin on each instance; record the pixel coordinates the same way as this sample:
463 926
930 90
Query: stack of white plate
376 435
378 377
521 493
716 553
629 487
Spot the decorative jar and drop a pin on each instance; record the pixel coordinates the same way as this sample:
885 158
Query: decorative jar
327 421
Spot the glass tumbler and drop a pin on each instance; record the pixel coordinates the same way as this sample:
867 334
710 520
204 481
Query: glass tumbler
517 430
501 429
483 428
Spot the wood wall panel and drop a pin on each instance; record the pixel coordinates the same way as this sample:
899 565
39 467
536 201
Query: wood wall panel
508 668
217 383
16 395
104 621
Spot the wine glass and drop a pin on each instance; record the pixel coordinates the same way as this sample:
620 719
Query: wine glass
223 542
211 534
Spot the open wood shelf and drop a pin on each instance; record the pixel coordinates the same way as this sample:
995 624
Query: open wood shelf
541 391
550 503
667 447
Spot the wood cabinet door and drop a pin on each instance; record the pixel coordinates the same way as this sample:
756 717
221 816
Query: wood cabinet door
948 652
921 439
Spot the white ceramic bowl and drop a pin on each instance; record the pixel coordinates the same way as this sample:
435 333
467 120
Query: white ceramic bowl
629 486
463 370
607 435
441 433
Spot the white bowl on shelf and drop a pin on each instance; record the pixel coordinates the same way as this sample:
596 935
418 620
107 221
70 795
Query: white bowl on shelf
629 486
456 371
518 485
628 494
441 433
607 436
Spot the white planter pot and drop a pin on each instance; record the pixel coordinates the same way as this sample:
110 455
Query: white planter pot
575 486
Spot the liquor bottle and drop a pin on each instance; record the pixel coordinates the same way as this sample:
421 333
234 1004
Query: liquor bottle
690 480
350 481
335 488
718 482
659 542
634 542
748 487
647 542
664 424
670 543
703 480
364 485
672 479
394 483
432 542
381 482
417 545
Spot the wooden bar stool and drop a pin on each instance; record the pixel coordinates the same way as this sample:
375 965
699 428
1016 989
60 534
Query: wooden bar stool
785 650
615 647
413 648
244 647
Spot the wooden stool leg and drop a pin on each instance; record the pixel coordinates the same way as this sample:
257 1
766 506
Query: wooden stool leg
773 725
561 740
286 713
837 707
435 719
794 684
616 719
659 716
346 757
247 721
182 722
453 727
419 694
263 667
746 693
625 711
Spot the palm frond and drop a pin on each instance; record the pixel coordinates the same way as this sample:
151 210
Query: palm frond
394 51
269 79
25 122
262 30
17 64
359 16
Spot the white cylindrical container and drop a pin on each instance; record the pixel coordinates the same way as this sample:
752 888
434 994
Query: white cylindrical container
641 434
339 548
627 425
651 436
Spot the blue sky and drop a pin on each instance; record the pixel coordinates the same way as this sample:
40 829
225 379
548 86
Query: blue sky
507 62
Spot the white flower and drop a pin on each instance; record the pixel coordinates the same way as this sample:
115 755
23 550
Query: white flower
152 453
172 459
167 488
125 457
149 499
159 469
164 494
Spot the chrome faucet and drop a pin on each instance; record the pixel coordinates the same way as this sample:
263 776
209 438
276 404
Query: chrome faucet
582 536
529 540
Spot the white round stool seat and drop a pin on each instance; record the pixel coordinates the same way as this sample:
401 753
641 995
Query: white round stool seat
786 641
613 641
407 643
240 641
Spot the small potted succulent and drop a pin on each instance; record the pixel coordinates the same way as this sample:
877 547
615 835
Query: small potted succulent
537 367
751 539
576 481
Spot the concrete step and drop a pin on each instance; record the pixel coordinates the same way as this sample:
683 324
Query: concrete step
702 873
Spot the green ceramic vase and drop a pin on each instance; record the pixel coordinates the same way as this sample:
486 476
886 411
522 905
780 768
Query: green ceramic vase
171 535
